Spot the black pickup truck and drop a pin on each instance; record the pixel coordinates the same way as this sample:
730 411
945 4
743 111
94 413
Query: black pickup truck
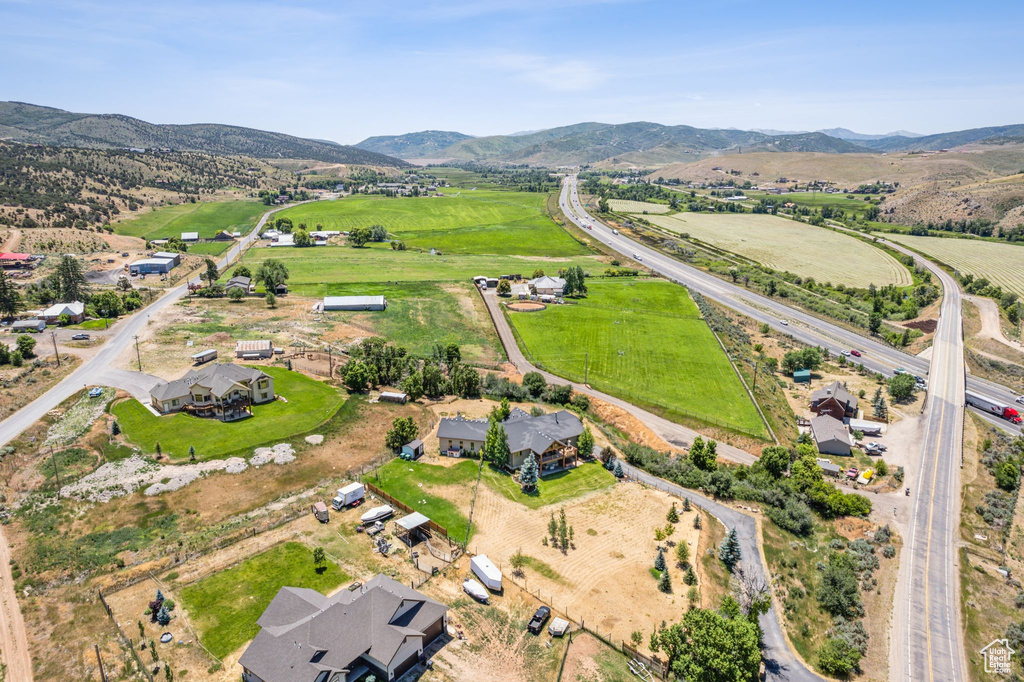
538 620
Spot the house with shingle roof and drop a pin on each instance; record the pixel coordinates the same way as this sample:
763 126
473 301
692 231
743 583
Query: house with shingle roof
380 628
222 391
833 399
552 286
550 438
831 436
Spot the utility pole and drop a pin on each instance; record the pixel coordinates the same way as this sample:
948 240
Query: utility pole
754 389
56 471
56 353
586 366
330 361
138 355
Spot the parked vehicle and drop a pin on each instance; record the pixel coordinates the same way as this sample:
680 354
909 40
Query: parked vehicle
488 573
855 353
538 620
80 337
785 323
377 514
908 492
95 392
1020 400
319 510
993 407
350 495
476 591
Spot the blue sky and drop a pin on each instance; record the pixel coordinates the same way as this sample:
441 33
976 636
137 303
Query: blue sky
346 70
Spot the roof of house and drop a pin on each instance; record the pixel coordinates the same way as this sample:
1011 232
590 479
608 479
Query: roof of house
218 379
518 289
835 390
58 309
524 431
238 281
250 346
547 282
827 465
827 427
28 324
305 633
14 256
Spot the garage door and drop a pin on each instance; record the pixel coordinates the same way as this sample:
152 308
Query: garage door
408 663
432 633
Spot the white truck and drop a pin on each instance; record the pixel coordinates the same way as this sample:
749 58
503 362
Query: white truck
348 496
488 573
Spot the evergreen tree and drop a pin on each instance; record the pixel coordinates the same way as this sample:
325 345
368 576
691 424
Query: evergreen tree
690 578
665 583
192 453
162 616
686 504
553 528
673 515
529 474
659 561
683 552
10 299
697 522
617 471
585 444
729 552
211 273
495 448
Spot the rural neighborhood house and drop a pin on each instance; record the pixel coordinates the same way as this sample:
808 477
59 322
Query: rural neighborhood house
551 438
222 391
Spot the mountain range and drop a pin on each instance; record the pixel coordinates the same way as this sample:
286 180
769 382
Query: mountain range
29 123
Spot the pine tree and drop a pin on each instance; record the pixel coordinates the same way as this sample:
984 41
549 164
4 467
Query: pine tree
495 448
162 616
673 515
617 471
729 552
529 474
683 552
690 578
563 530
659 561
553 528
686 504
191 453
665 583
696 521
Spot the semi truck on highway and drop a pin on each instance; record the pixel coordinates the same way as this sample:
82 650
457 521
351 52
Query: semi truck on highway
993 407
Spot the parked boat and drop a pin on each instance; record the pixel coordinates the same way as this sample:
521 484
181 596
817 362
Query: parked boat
377 514
476 591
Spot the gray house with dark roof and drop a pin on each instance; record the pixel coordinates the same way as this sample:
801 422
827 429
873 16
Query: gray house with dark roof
834 400
551 438
380 628
222 391
831 436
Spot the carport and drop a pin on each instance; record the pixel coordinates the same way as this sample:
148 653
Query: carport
413 528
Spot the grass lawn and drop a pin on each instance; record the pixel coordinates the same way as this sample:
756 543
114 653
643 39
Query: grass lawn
100 323
542 568
208 248
206 218
310 403
325 270
463 221
645 341
225 606
403 480
552 489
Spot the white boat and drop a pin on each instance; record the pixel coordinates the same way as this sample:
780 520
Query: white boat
377 514
476 591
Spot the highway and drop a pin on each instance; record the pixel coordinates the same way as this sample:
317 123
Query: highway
925 642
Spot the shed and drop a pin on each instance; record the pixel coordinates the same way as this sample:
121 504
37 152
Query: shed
254 349
355 303
558 627
492 282
28 326
413 528
830 469
189 236
412 449
393 397
204 356
802 376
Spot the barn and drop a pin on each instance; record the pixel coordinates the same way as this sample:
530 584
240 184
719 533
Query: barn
355 303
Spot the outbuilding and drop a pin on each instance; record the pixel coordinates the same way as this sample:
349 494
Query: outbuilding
393 397
189 236
802 376
172 255
28 326
355 303
204 356
412 449
254 349
830 469
413 528
150 266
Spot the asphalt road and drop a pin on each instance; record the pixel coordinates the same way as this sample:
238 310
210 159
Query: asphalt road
925 641
96 371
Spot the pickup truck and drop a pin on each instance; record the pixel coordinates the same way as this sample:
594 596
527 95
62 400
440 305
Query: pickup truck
539 618
80 337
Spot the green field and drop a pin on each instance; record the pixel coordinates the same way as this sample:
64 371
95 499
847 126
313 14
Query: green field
645 342
321 271
207 219
792 246
209 248
1001 264
853 207
411 482
630 206
553 489
225 606
462 222
310 403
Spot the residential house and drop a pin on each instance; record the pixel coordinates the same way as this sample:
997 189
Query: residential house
254 349
834 400
15 260
239 282
552 286
551 438
355 303
221 391
831 436
521 291
380 628
74 310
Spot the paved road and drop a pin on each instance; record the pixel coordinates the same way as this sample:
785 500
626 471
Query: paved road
95 371
925 641
878 356
781 662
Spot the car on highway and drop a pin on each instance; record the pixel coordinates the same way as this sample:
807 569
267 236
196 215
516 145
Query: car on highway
80 337
539 618
899 370
1020 400
855 353
846 353
637 257
784 323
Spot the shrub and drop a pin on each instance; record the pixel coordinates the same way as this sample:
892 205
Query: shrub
838 657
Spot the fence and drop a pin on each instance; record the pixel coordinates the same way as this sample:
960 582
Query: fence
125 639
434 527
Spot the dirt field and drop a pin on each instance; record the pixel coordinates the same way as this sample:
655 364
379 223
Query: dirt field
526 307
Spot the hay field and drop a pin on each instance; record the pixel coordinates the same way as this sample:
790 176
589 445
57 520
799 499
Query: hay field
1002 264
462 222
206 218
643 341
630 206
792 246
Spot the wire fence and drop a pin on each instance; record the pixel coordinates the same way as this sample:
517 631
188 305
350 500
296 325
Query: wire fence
126 641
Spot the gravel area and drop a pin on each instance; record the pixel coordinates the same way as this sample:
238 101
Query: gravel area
116 479
315 440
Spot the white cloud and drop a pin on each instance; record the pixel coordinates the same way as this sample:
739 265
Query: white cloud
566 75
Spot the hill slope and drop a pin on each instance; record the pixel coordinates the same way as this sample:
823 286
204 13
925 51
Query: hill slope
992 135
45 125
426 144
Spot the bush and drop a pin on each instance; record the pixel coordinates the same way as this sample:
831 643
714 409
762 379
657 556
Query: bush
838 657
794 516
901 387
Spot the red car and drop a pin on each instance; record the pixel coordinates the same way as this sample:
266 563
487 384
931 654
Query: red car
855 353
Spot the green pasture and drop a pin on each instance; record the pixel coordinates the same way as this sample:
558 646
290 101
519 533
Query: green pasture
225 606
463 221
411 481
310 403
206 218
554 488
644 341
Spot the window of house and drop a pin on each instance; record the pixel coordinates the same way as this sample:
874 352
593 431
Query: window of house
174 403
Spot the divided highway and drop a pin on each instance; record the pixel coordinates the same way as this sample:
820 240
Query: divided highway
925 640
